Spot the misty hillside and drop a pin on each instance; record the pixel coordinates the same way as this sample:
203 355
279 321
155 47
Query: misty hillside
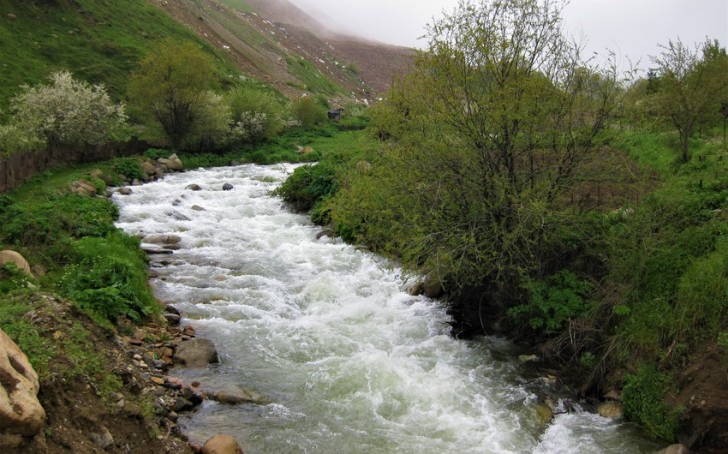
284 46
252 41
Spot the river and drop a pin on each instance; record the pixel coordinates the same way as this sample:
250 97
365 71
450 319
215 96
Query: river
350 362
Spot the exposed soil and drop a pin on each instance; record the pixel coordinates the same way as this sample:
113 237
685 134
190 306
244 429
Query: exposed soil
364 68
80 419
704 396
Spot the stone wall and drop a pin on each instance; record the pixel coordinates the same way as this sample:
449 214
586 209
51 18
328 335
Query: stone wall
21 167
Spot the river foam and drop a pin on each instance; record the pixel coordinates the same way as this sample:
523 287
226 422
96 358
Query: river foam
351 362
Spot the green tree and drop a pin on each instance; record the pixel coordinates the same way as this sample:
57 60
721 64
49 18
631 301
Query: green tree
689 87
308 112
485 138
170 85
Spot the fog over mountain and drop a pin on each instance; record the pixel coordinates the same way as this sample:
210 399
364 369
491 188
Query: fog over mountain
633 29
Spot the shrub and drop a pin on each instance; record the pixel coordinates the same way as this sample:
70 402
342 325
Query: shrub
642 396
128 168
308 112
257 115
109 279
308 185
68 112
552 302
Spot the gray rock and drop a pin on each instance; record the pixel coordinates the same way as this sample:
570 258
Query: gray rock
194 187
124 190
227 187
103 439
234 394
196 352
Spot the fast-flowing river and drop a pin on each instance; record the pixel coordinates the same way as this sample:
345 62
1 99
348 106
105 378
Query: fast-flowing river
350 362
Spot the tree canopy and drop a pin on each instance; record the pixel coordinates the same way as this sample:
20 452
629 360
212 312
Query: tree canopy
171 85
482 141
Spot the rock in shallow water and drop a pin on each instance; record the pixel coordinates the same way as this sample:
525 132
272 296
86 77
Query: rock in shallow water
221 444
196 352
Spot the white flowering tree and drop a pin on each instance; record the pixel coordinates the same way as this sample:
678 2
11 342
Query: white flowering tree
68 111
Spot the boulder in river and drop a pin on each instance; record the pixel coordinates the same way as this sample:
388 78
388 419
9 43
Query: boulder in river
234 394
611 410
194 187
227 187
221 444
197 352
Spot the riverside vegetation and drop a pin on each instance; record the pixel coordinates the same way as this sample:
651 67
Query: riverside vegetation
550 199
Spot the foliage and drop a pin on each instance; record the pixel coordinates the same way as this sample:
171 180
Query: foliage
211 128
49 225
689 87
15 140
108 279
309 186
308 112
552 302
257 113
170 85
68 112
13 320
643 398
129 168
482 142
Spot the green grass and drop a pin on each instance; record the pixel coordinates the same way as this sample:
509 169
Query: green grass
239 5
314 81
99 41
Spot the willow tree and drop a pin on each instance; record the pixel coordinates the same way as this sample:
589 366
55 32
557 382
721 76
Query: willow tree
171 85
483 140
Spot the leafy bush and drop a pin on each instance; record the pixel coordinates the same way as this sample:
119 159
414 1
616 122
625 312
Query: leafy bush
642 396
552 302
308 186
308 112
109 279
257 114
129 168
68 112
211 128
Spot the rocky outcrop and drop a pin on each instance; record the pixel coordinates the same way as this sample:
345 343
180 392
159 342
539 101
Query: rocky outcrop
8 256
221 444
21 414
196 352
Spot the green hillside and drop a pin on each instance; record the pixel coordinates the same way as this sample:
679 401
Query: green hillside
97 40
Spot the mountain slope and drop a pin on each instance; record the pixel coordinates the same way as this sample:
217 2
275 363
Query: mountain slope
284 46
97 40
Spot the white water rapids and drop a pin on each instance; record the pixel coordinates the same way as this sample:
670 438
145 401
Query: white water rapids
349 360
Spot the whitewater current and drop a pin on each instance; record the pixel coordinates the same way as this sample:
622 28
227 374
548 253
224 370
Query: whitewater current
349 361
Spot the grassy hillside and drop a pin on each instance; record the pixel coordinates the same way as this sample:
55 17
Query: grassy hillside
97 40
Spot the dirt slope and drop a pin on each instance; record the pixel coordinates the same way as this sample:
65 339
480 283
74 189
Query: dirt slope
279 44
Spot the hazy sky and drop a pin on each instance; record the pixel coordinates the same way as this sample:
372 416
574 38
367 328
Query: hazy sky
632 28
